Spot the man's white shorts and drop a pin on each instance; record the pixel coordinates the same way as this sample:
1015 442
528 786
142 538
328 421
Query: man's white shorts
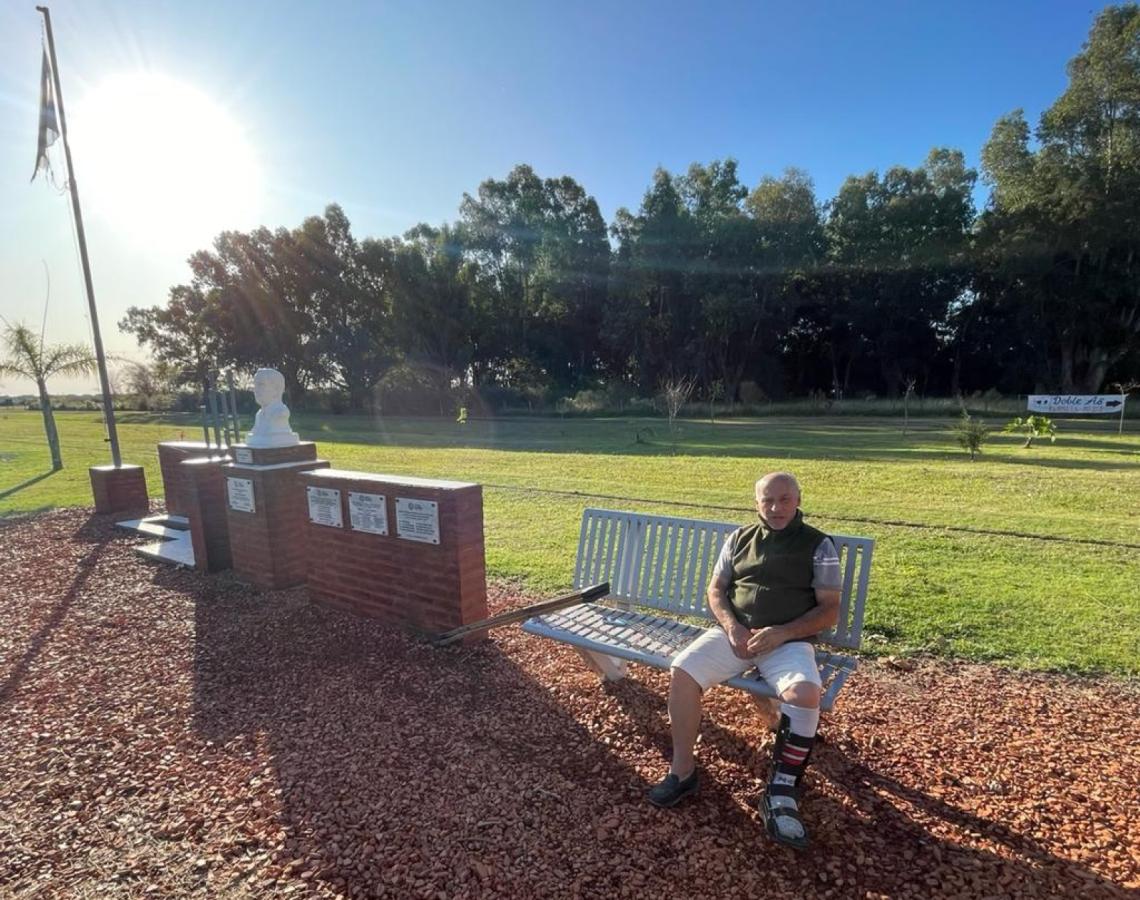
709 660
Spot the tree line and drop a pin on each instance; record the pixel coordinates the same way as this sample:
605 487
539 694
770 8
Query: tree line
896 283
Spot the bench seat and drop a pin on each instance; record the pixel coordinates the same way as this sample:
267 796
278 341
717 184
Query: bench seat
626 626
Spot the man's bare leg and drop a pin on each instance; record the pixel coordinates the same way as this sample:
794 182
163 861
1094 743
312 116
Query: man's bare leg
684 721
685 724
769 708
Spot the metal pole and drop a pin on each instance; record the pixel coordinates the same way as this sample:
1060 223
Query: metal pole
205 424
104 381
225 418
233 407
217 420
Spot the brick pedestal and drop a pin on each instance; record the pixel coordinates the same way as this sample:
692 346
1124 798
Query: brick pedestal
267 543
414 583
121 489
171 454
203 487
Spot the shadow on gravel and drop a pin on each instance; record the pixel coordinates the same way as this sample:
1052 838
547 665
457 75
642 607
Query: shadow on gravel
414 770
94 532
876 822
884 801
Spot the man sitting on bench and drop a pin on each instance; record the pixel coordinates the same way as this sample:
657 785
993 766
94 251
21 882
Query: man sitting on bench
775 587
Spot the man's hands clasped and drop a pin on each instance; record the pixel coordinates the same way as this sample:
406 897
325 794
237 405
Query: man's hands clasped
747 643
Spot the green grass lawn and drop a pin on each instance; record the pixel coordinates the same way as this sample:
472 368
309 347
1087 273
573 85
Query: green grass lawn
1058 588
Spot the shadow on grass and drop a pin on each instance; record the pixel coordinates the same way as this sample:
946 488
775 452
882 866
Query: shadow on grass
791 439
8 492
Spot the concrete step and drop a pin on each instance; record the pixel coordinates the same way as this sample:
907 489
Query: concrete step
178 523
177 551
169 527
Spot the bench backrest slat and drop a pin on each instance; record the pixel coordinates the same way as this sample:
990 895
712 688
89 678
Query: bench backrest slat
665 563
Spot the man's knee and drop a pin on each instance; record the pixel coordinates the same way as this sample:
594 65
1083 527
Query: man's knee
683 683
802 693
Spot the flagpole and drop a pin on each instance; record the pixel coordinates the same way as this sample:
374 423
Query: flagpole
105 383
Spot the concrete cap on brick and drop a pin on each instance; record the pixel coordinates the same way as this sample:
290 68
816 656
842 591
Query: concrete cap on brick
406 480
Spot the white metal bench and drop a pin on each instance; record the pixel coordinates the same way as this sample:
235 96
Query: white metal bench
664 563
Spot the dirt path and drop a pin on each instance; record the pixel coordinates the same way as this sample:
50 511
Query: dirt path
164 733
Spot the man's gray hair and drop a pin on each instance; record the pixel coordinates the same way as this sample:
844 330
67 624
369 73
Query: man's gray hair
779 476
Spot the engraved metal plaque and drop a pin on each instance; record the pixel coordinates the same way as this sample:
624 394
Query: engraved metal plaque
243 455
368 512
240 493
417 520
324 507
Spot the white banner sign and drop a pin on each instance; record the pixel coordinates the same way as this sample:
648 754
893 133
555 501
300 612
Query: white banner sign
1094 404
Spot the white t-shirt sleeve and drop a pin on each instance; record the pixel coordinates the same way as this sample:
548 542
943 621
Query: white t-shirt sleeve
825 567
722 571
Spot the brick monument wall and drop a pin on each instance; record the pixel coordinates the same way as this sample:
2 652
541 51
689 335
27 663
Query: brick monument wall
121 489
204 493
171 455
267 542
416 584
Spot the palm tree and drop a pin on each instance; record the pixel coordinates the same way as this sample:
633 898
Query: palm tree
28 358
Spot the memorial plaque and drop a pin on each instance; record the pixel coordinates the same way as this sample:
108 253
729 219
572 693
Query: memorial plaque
243 455
324 507
368 512
417 520
240 493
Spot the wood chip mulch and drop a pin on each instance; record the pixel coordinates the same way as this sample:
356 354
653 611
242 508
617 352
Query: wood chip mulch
165 733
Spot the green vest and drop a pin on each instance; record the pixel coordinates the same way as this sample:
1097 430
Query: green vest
772 572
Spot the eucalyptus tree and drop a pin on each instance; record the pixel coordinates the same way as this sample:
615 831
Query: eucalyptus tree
899 255
1061 238
789 250
264 297
434 319
27 357
650 325
542 255
186 334
350 301
725 315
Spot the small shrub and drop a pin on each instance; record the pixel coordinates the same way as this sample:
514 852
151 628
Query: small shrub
1032 427
675 393
970 433
585 401
751 394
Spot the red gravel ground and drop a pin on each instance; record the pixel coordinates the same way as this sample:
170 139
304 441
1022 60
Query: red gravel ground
164 733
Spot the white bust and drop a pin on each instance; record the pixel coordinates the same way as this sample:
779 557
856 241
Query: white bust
271 426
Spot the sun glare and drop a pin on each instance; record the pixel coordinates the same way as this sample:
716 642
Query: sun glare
162 163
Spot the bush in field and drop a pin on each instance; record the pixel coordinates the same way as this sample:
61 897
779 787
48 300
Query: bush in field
1032 427
970 433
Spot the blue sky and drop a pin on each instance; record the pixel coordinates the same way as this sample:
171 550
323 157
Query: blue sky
394 110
